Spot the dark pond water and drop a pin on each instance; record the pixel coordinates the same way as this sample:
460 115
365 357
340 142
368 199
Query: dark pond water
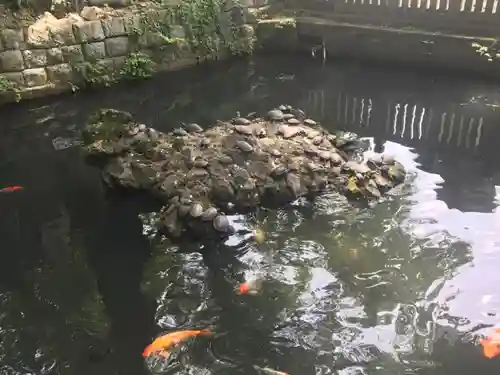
396 289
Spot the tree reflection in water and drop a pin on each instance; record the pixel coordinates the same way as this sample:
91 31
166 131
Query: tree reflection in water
56 313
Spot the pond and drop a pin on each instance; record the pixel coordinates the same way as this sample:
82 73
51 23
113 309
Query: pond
400 288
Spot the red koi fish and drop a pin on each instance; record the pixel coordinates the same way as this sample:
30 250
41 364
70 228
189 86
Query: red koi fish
251 287
491 344
162 343
11 189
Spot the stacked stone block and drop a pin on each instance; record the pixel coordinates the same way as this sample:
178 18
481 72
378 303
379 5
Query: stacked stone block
31 63
44 56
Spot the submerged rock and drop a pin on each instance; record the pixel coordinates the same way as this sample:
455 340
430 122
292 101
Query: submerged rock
233 166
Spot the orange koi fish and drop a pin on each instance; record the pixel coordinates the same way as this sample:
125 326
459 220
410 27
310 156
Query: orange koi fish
11 189
251 287
162 343
491 344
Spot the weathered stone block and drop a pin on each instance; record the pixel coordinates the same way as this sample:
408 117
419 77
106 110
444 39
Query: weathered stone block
12 39
113 27
92 13
55 56
35 58
60 74
132 24
111 3
94 51
119 62
90 31
72 54
11 61
151 39
118 46
49 31
35 77
16 78
108 64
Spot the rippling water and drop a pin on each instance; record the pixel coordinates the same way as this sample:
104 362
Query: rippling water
403 287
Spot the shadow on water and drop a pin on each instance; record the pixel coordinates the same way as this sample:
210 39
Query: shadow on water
84 286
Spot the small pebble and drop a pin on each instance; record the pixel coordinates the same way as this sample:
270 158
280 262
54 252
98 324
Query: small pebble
196 210
309 122
241 121
200 163
180 132
194 128
244 146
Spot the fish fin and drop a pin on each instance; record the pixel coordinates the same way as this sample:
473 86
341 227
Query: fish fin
163 353
243 289
147 351
490 351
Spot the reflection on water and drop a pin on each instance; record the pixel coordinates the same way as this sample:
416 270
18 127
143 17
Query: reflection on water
393 289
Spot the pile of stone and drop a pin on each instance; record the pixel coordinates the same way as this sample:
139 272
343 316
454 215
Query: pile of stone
234 166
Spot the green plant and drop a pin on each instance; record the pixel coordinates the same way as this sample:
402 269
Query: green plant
7 85
138 65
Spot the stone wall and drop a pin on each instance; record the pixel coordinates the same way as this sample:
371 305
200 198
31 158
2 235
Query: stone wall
47 56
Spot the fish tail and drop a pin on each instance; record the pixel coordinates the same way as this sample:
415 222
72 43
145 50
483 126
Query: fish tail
147 351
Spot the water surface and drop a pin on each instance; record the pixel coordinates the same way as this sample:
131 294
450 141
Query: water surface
395 289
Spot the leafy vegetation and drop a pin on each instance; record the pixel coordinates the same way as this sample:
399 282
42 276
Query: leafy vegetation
8 86
208 27
138 65
99 73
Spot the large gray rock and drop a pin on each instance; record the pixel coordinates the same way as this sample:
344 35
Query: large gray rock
11 61
49 31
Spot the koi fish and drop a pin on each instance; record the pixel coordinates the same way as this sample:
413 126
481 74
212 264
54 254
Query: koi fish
491 344
269 371
162 343
251 287
11 189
